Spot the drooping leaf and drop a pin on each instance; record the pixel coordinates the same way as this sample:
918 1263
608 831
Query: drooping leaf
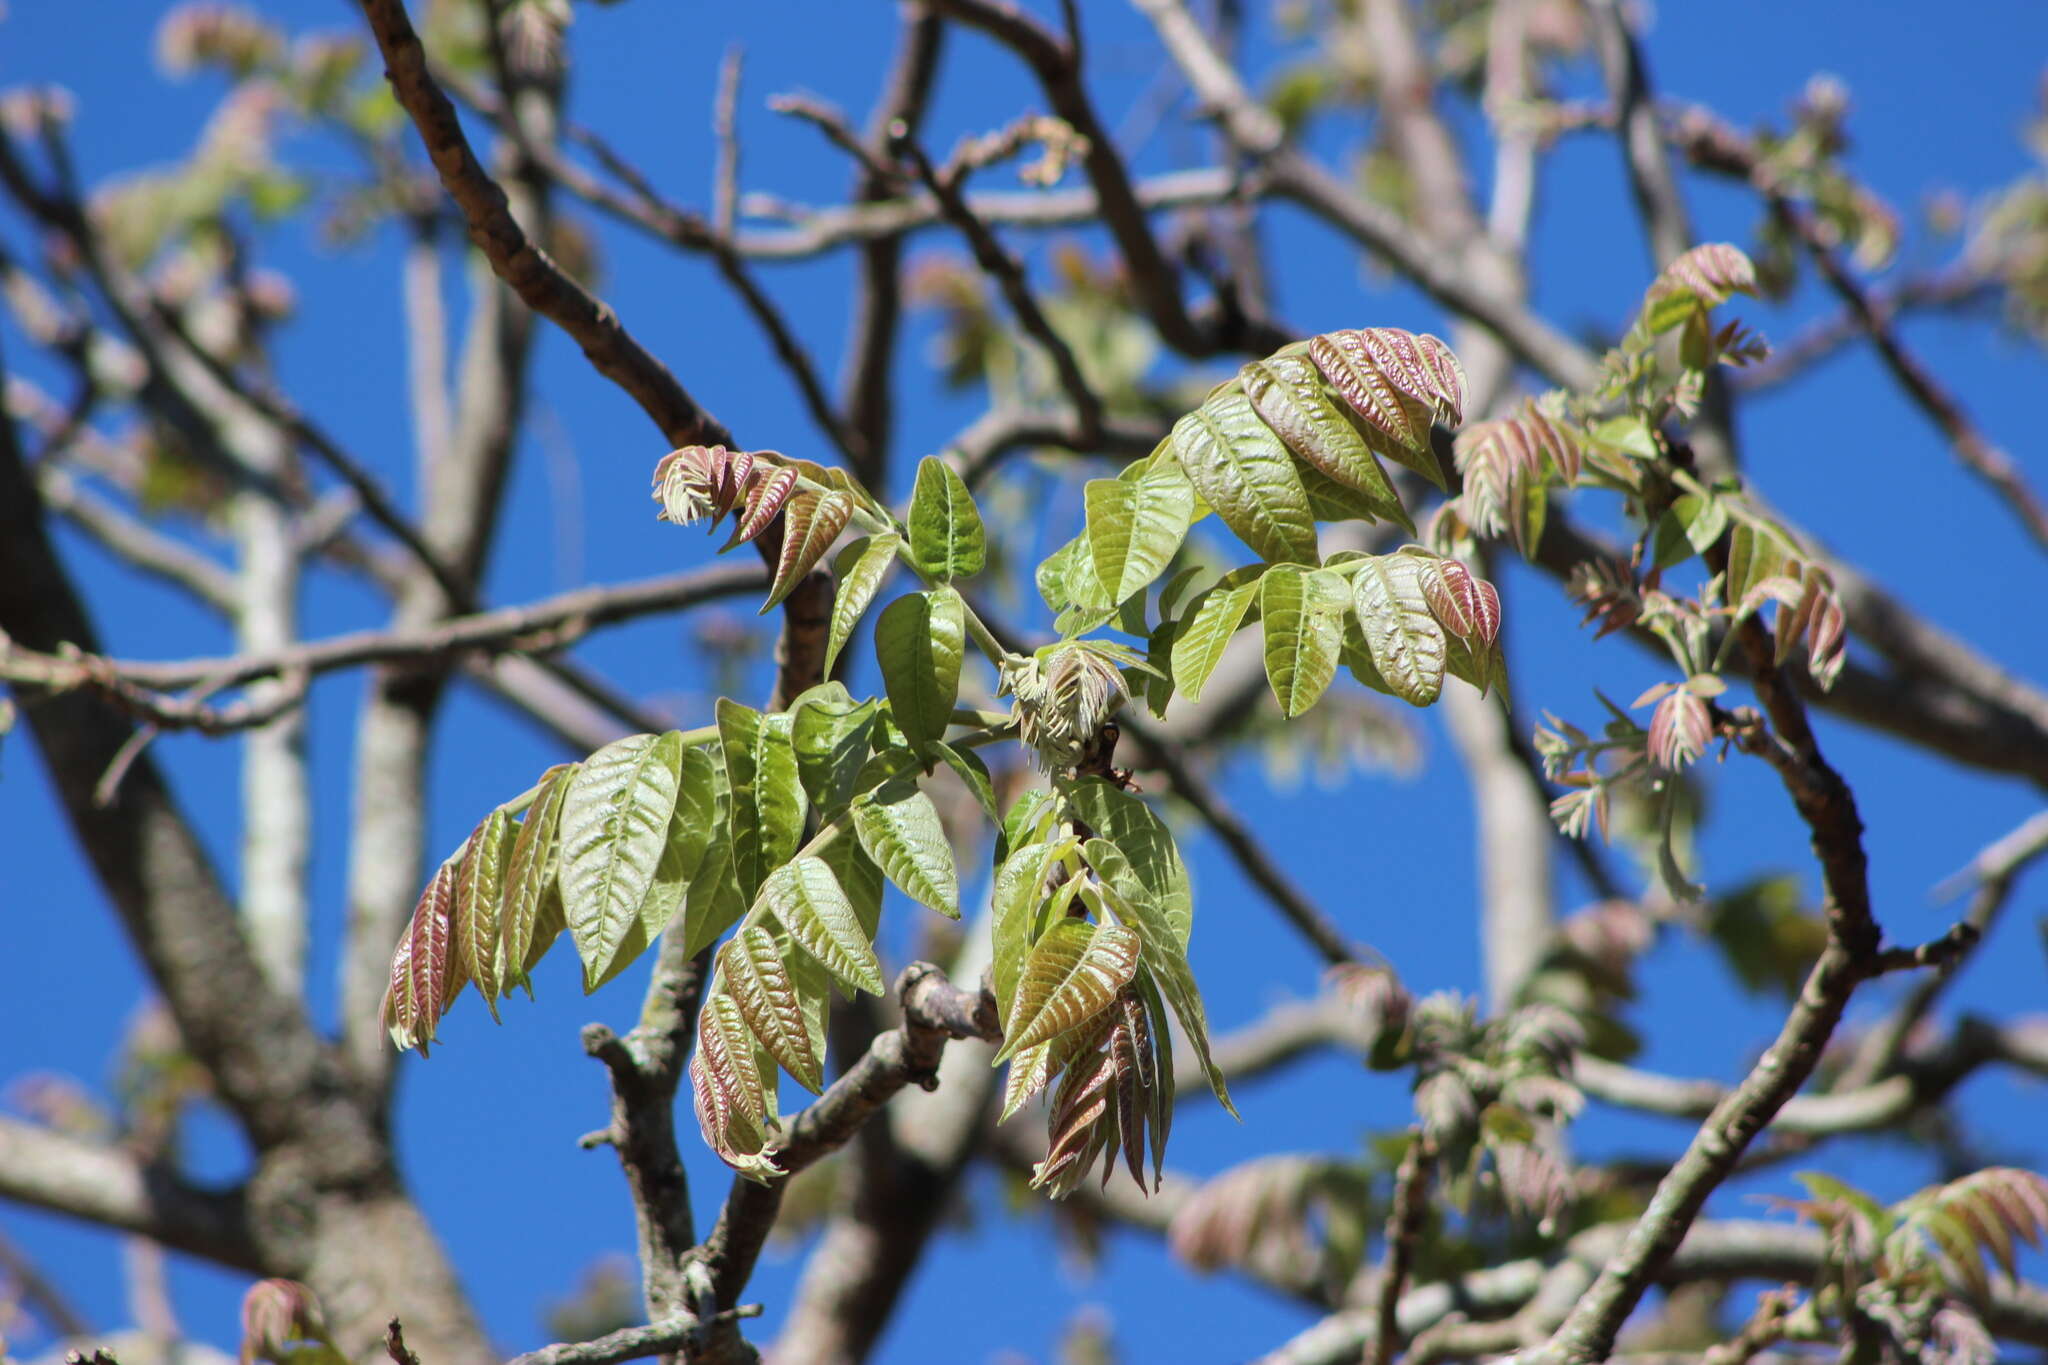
973 774
1199 646
1072 973
1702 278
431 958
530 872
1020 890
726 1083
1303 616
946 536
1405 641
807 900
860 878
1164 953
1288 393
1243 471
759 983
479 906
766 790
1124 820
1466 605
861 569
1134 526
920 641
614 826
810 524
832 735
899 827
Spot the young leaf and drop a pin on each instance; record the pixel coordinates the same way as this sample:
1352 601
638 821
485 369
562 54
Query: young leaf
1243 471
1073 972
732 1101
479 905
919 642
530 872
1396 382
614 827
1020 889
759 983
1303 613
832 735
767 790
1162 953
973 774
1119 818
1406 643
1288 394
431 961
946 536
860 568
810 523
1199 646
860 878
1134 526
714 901
899 827
807 900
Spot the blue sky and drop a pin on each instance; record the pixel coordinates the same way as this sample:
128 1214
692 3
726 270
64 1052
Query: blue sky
490 1123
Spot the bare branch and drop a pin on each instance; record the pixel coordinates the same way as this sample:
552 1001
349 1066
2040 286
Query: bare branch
1404 1228
631 1343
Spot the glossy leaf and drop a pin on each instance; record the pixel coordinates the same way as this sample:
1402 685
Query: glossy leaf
759 983
1242 470
1072 973
1404 639
1303 616
832 735
807 900
1288 393
946 536
1199 646
861 568
766 791
810 524
899 827
974 775
479 904
1119 818
614 827
531 869
1020 890
1136 525
726 1082
714 902
1397 383
919 642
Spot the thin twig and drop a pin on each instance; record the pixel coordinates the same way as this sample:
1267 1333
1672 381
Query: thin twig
1404 1228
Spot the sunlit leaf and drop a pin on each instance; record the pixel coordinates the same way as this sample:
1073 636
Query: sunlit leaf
1246 474
766 790
614 826
1199 646
1072 973
1288 393
861 569
810 523
1405 641
946 536
832 735
1397 383
1134 526
759 982
807 900
1303 616
899 827
530 872
479 905
1138 833
920 640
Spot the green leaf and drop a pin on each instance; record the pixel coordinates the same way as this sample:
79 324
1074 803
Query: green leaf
1288 394
530 872
1119 818
767 791
919 642
1689 526
1754 554
478 903
859 877
861 569
1014 904
1072 973
973 774
1163 952
946 536
1244 472
1303 612
1199 647
714 902
832 735
1402 636
614 826
899 827
807 900
810 523
1162 1086
1629 434
1134 526
759 983
690 831
1027 821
